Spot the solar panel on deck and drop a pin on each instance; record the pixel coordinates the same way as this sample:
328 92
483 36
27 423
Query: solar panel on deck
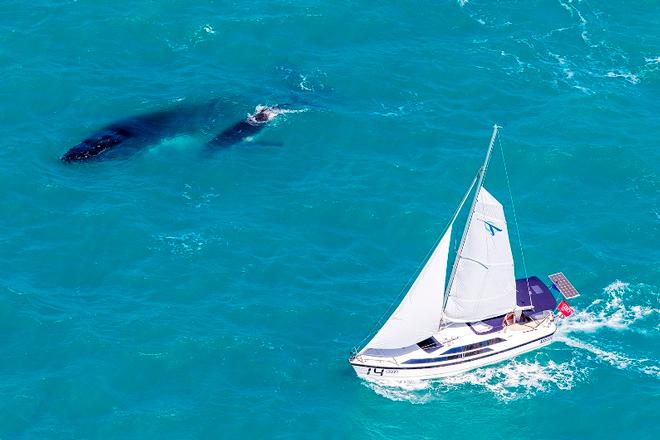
563 285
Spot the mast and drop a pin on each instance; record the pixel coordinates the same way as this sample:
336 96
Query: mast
482 173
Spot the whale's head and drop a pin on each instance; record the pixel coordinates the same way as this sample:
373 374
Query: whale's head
266 113
263 114
94 146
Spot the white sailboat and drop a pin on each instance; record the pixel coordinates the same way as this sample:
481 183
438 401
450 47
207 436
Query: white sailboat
480 315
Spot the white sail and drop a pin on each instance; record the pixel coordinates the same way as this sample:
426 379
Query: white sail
418 315
484 283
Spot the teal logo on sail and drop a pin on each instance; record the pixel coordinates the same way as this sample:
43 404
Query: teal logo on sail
491 228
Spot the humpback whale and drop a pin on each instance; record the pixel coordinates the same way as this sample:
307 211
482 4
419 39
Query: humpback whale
139 131
248 127
130 134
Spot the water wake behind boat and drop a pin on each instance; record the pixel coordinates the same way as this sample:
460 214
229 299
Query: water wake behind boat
613 312
513 380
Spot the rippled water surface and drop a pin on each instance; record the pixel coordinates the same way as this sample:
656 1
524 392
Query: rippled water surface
177 293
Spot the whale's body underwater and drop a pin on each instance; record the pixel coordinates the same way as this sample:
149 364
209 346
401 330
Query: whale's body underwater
131 134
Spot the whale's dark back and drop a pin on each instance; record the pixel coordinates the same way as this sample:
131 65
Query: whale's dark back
133 133
234 134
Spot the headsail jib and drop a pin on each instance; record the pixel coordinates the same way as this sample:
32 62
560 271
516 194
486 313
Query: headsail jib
483 283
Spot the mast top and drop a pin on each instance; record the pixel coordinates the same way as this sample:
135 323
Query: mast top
490 149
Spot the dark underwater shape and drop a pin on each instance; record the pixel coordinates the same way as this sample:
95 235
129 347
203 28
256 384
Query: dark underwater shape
242 130
140 131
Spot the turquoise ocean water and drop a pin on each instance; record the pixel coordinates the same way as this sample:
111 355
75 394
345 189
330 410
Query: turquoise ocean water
173 294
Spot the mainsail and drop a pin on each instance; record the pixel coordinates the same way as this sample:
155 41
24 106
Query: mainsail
483 284
418 315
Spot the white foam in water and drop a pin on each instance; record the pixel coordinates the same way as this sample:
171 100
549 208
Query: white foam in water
413 391
515 379
312 82
562 62
507 381
184 244
272 112
615 359
630 77
609 312
570 7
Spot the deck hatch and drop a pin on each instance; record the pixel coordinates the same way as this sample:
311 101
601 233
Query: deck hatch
429 345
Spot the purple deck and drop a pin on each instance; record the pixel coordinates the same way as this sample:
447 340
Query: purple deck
542 299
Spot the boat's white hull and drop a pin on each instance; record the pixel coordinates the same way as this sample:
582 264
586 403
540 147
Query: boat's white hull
388 368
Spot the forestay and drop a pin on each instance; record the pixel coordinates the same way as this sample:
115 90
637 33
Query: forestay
418 315
484 283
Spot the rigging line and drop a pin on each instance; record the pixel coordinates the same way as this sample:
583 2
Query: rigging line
515 218
419 268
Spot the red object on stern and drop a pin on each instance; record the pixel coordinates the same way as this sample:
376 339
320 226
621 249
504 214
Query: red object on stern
565 309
